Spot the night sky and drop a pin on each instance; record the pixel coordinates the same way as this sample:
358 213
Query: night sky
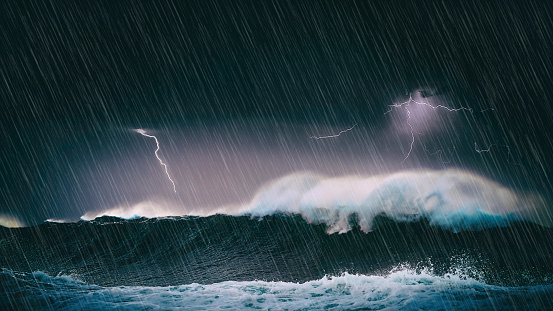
235 89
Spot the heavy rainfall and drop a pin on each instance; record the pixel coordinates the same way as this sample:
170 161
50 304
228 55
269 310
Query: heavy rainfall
277 155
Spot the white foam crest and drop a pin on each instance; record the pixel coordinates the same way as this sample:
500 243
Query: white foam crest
56 221
452 199
158 209
147 209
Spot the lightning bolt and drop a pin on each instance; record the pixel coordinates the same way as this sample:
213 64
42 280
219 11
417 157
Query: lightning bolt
488 109
411 100
509 154
143 133
482 150
406 106
333 136
438 152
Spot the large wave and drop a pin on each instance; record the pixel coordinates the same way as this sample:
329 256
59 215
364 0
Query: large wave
453 199
402 288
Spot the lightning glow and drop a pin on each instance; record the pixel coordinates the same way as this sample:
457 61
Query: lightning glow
406 106
335 135
143 133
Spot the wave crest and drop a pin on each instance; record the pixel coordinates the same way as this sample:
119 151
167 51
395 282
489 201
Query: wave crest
451 199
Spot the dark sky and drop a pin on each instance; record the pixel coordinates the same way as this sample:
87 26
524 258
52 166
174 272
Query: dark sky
234 89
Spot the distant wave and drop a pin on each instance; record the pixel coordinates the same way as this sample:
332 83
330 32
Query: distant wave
404 289
452 199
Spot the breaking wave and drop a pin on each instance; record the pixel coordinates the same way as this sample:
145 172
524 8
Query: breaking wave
451 199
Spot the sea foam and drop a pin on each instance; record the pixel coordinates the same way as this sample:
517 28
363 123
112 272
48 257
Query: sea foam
404 289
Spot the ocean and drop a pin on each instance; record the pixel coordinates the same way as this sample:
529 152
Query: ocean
434 240
274 262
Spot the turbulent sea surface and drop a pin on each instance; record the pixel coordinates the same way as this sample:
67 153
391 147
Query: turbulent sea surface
278 262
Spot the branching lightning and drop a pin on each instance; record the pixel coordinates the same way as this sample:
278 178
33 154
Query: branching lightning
406 106
440 153
411 100
333 136
143 133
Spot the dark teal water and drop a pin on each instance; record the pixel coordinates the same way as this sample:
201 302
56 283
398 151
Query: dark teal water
271 255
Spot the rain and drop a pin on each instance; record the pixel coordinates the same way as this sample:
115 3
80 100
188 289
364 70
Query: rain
283 155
